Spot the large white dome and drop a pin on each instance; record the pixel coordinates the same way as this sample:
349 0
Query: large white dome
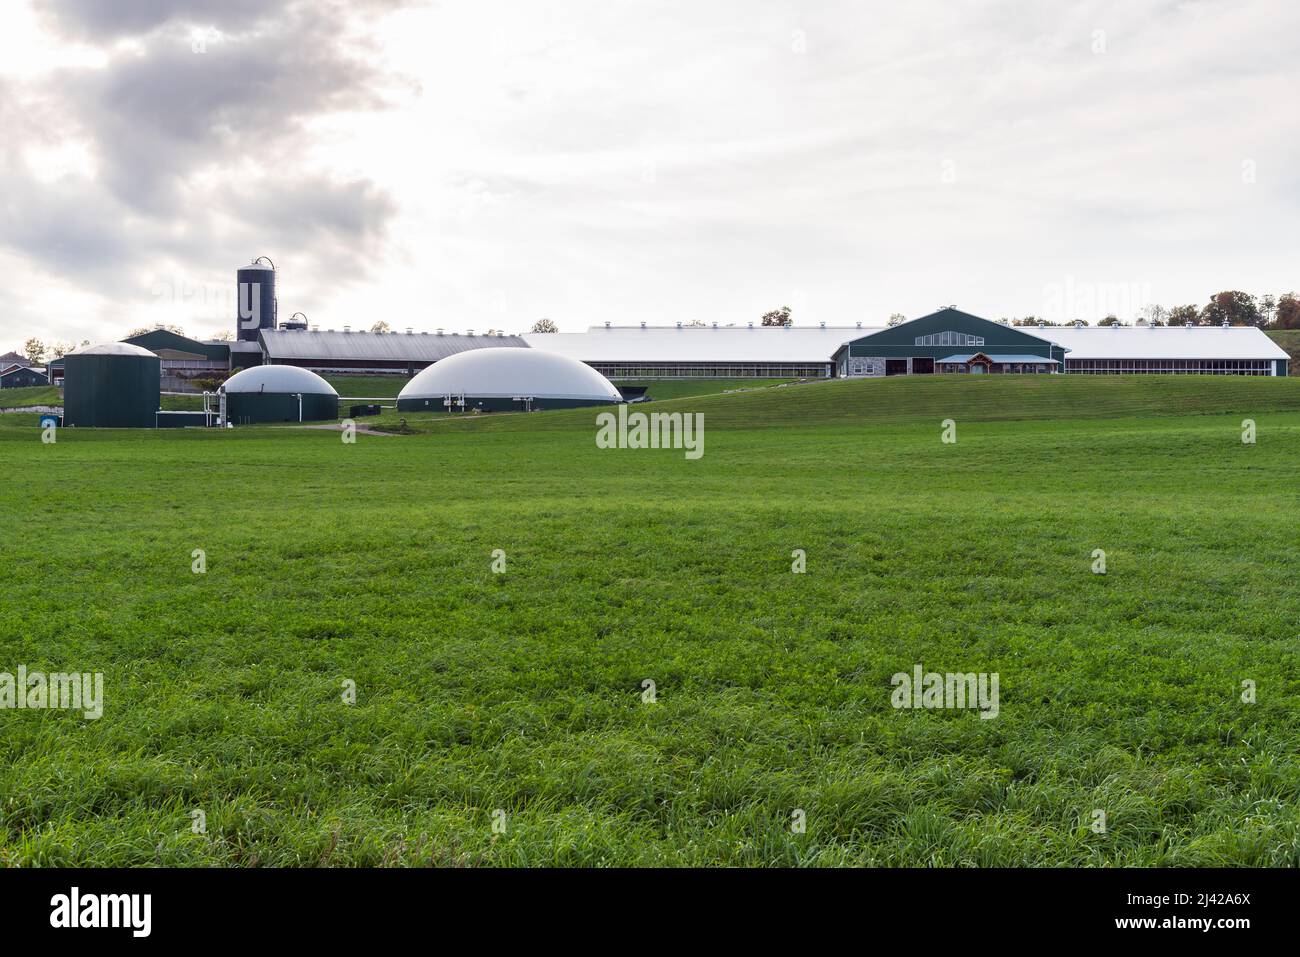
278 380
506 373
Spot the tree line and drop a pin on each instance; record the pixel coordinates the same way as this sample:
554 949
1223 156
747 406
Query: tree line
1232 306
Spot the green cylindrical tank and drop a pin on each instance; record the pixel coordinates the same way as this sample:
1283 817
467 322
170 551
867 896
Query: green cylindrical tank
279 394
111 386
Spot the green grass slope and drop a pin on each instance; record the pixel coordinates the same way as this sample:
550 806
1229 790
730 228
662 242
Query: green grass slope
35 395
934 398
522 692
1288 339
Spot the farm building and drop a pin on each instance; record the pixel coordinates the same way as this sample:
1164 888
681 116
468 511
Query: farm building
277 394
947 341
182 358
113 386
701 352
370 352
954 341
21 377
503 380
1177 350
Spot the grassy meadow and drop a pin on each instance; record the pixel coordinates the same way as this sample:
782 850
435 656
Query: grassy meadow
517 698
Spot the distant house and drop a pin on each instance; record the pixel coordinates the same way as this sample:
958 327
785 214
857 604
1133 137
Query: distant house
14 376
14 359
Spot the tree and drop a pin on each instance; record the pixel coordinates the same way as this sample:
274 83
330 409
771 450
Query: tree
381 326
1233 307
34 350
61 349
897 319
225 335
1267 307
1155 315
1182 315
1032 321
777 317
1288 312
544 325
1111 320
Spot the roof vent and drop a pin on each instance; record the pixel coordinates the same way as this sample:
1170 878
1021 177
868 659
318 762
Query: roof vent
1226 323
679 325
410 331
607 325
424 332
859 325
347 328
439 332
469 332
715 325
500 334
315 328
1188 323
1079 323
751 325
1041 324
823 325
643 325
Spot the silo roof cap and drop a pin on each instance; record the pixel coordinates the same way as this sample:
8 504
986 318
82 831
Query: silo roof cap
113 349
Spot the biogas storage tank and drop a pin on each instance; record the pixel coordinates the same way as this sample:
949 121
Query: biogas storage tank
506 379
279 394
255 308
114 385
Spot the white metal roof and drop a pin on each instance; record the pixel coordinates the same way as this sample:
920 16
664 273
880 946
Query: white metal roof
302 344
278 379
113 349
506 373
1164 342
699 343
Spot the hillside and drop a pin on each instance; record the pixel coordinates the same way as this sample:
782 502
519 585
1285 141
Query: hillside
1288 339
918 398
371 563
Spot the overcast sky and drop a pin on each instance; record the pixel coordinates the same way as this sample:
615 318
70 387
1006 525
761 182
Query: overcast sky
475 165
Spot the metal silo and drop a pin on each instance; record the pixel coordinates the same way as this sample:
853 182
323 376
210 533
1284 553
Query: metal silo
111 386
255 309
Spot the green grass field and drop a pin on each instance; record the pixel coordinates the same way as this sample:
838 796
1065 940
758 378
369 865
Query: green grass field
35 395
1288 339
388 386
522 692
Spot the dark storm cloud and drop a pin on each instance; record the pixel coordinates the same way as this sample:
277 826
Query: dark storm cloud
199 150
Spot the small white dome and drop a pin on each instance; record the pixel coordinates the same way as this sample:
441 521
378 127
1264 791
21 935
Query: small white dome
278 380
506 372
113 349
